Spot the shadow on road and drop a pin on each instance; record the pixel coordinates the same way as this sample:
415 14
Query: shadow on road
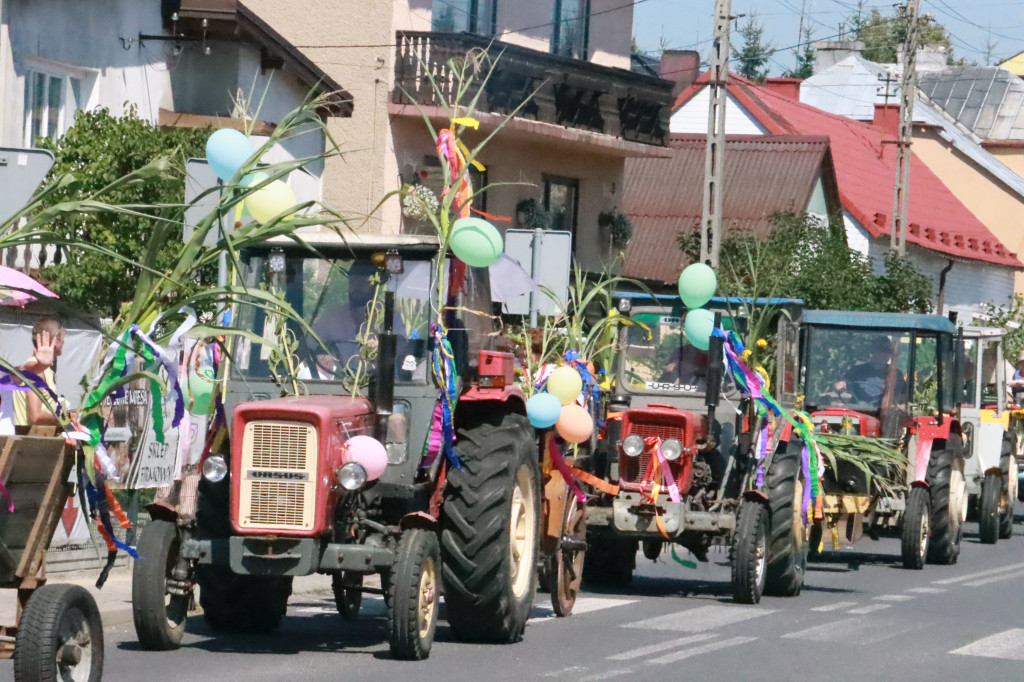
842 562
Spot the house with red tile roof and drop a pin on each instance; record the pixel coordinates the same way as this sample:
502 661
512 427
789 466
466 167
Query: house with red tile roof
764 174
965 261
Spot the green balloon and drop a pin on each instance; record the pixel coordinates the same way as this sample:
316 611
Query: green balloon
697 285
698 326
201 386
475 242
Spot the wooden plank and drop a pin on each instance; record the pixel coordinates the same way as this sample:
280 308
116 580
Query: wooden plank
35 459
51 503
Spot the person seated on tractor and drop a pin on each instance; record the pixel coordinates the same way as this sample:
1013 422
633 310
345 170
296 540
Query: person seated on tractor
866 381
1016 382
687 366
340 328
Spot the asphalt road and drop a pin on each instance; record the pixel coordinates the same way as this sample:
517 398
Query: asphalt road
860 617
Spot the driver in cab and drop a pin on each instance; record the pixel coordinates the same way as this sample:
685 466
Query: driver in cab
866 381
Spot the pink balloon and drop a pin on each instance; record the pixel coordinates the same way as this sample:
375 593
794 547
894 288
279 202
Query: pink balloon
369 452
574 424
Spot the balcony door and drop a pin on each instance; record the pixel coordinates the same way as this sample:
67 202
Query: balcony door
570 31
561 201
464 16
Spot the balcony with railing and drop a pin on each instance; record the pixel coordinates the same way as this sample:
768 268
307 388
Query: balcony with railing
566 92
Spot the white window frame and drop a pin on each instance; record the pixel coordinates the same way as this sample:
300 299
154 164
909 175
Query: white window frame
68 105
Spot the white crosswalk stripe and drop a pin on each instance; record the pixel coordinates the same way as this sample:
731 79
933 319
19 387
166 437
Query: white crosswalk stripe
544 613
702 649
606 675
1007 645
645 651
870 608
701 619
894 597
835 606
860 629
927 590
994 579
980 574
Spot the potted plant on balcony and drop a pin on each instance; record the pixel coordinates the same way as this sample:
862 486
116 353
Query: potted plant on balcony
532 215
617 226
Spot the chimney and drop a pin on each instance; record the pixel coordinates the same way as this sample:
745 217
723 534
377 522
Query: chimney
929 58
681 67
787 87
887 117
828 53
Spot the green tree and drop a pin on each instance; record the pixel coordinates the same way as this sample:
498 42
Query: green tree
883 35
804 54
752 59
98 150
805 258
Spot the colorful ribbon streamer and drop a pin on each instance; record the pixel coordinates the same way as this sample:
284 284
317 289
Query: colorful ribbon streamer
448 381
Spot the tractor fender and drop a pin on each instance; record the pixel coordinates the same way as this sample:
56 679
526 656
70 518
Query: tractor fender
161 512
418 519
755 496
920 484
994 470
477 402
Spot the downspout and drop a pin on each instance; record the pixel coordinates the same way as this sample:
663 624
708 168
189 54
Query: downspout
942 284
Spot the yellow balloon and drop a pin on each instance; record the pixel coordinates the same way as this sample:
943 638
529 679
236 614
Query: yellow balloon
565 384
270 201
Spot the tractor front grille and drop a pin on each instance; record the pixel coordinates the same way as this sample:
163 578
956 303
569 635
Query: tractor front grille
278 472
635 469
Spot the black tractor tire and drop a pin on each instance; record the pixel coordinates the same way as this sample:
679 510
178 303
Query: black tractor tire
159 616
916 531
750 553
60 636
1007 464
489 564
348 593
787 545
988 517
945 470
652 549
242 603
412 616
609 561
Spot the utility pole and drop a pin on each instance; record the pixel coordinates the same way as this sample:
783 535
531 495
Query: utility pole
714 175
908 89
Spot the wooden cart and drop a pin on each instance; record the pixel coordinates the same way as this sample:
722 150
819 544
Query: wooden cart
58 633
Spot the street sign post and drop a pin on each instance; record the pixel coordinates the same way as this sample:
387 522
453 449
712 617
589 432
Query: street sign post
547 256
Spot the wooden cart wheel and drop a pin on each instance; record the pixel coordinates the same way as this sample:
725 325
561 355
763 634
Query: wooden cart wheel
568 560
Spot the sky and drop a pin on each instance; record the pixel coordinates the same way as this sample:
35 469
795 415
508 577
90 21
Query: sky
686 24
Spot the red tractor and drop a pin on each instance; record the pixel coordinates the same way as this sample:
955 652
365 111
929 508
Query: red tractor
289 496
680 469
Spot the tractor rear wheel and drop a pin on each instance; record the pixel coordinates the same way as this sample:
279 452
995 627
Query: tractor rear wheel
491 531
787 534
750 553
988 516
948 498
916 528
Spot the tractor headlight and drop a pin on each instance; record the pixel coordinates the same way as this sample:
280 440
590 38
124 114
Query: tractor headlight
215 468
351 476
633 445
672 448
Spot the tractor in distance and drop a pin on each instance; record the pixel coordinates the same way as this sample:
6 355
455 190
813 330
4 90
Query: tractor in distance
667 429
288 495
888 376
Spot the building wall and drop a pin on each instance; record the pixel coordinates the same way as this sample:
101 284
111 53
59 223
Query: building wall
1001 210
692 117
1011 157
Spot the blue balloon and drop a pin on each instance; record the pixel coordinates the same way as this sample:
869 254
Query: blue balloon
543 410
698 326
226 151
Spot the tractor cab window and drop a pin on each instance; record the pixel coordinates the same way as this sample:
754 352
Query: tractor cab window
980 367
857 369
658 357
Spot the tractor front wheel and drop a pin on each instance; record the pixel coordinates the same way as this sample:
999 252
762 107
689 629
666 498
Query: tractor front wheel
415 595
916 528
750 553
988 516
159 613
491 531
1008 464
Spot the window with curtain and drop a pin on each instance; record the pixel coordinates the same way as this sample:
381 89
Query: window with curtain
571 28
464 16
51 100
561 201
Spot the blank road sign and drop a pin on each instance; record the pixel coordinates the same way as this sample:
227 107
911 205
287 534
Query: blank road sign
553 274
21 173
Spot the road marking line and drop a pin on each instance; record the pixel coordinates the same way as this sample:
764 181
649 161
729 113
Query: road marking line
564 671
962 578
927 590
1008 645
608 674
870 608
701 618
894 597
986 581
544 614
655 648
833 607
702 649
861 629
